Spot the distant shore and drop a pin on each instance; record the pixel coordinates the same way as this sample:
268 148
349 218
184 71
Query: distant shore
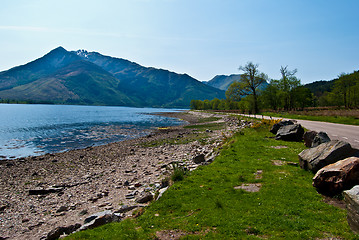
95 178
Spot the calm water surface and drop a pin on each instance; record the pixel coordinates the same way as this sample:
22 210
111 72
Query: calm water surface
27 130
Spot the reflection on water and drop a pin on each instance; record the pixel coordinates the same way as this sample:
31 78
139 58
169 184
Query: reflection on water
28 130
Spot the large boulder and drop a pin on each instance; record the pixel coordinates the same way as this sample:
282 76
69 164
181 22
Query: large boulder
334 178
277 126
308 138
327 153
290 133
351 198
321 137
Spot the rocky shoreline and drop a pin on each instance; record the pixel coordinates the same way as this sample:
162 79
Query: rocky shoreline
39 194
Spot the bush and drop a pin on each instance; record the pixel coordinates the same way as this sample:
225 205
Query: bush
178 172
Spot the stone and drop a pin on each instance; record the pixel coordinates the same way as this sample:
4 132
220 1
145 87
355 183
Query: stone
62 209
3 207
126 208
250 187
327 153
290 133
199 159
44 191
351 198
83 212
58 231
144 199
277 126
99 219
321 137
161 192
334 178
308 138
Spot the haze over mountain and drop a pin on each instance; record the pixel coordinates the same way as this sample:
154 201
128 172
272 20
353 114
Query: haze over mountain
82 77
223 81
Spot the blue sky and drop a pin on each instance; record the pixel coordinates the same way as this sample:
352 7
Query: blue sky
202 38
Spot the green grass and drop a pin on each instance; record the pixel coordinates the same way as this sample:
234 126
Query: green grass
205 205
208 119
200 136
209 126
333 119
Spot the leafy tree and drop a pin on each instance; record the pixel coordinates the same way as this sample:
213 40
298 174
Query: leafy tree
271 95
234 91
303 97
287 84
346 87
215 103
248 84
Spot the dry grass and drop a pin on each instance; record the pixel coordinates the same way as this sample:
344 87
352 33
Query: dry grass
329 112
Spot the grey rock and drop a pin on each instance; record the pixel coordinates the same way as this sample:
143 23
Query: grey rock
83 212
308 138
58 231
351 198
125 209
334 178
62 209
44 191
321 137
290 133
100 219
144 199
277 126
327 153
199 159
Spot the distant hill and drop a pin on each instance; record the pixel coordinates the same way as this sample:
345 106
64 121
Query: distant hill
80 77
319 87
223 81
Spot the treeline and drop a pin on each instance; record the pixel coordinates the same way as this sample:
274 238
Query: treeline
10 101
253 92
345 92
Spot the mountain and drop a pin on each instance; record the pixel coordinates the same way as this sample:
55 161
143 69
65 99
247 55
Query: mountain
156 87
80 77
223 81
34 70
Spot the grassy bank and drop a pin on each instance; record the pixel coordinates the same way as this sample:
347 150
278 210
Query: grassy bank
209 204
320 116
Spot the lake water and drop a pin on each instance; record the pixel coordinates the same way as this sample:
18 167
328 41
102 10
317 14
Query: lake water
29 130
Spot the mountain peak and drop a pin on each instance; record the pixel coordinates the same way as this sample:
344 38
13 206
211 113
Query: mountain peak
58 49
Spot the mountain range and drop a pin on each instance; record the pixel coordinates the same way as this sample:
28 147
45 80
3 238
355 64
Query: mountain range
81 77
